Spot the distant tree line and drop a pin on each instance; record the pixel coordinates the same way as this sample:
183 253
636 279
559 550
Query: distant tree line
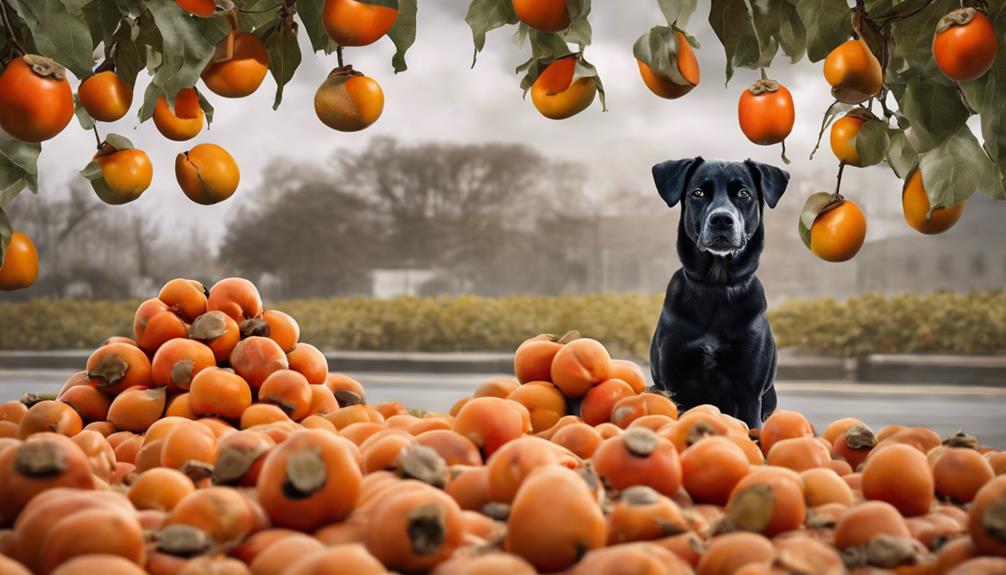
487 219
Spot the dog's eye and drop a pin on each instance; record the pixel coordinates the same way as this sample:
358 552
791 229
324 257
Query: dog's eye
743 194
698 193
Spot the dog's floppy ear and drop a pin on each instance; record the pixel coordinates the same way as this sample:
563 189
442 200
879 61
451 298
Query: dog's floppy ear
772 181
672 176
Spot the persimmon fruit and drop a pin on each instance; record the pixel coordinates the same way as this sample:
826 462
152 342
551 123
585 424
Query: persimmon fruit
348 101
838 234
242 73
354 23
554 519
555 93
916 208
964 45
185 297
19 268
207 174
118 366
766 112
309 480
688 67
533 359
180 122
899 475
543 15
36 102
105 96
854 73
127 173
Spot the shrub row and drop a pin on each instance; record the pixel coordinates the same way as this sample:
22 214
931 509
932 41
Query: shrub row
973 323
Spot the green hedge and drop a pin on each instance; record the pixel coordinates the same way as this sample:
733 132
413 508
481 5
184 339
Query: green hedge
972 323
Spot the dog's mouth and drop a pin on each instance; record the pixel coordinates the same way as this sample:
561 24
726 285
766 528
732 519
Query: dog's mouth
722 245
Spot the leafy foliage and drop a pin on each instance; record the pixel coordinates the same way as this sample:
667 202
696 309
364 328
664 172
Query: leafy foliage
171 45
972 323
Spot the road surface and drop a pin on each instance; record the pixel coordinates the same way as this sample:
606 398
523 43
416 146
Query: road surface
946 409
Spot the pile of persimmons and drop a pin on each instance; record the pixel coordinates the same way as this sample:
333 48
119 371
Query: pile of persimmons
215 442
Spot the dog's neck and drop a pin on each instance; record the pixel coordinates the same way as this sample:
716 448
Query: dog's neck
731 273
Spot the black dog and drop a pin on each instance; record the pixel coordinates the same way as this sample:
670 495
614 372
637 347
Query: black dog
712 343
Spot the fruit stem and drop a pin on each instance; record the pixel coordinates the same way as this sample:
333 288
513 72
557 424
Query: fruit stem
764 76
11 39
338 52
97 138
838 183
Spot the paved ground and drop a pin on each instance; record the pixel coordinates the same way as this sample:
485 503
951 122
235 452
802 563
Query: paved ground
979 410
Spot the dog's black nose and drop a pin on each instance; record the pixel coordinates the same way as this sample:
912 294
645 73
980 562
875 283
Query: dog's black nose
721 222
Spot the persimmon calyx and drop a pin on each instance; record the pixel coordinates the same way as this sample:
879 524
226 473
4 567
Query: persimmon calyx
958 17
44 67
764 86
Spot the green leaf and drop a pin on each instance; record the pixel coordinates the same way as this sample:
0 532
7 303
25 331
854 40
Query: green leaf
872 142
206 106
987 94
93 174
177 48
403 33
546 44
792 35
6 231
827 24
815 205
733 24
309 12
92 171
184 48
85 119
284 57
954 170
18 168
131 52
102 18
150 96
585 69
578 9
258 15
677 12
119 142
835 110
913 41
486 15
579 32
890 10
935 111
60 32
658 49
901 156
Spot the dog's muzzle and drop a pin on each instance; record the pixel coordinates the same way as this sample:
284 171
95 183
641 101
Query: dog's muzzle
722 233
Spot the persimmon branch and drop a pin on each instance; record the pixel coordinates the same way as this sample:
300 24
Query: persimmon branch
338 52
11 37
838 183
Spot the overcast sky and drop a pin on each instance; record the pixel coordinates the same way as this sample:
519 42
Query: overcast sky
440 99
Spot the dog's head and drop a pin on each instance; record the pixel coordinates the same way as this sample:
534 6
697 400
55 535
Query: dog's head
721 202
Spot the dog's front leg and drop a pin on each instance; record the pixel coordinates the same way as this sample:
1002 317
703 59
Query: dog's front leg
749 410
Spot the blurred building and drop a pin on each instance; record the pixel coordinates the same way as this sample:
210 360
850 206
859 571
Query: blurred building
637 254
